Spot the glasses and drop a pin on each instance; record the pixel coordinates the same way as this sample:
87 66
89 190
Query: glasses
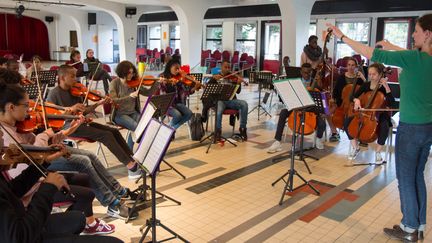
26 105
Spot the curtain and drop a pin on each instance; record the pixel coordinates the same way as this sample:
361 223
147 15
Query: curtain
26 36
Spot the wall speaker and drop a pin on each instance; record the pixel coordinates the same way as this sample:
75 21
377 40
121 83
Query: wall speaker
130 11
49 19
91 18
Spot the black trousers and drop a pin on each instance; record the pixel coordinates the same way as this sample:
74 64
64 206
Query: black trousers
284 114
84 196
66 227
384 123
108 136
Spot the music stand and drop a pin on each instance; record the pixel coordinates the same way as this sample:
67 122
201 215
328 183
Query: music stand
213 93
162 103
264 80
48 77
33 90
295 97
150 152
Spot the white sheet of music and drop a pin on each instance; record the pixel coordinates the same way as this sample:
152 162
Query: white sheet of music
147 140
145 119
293 93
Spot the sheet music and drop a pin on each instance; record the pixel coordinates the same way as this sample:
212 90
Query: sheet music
293 93
156 139
144 120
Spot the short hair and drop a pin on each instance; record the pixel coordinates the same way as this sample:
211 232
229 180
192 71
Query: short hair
64 69
306 65
73 53
312 37
123 67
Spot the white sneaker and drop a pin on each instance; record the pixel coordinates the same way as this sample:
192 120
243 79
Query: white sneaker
319 144
378 158
275 147
353 153
133 175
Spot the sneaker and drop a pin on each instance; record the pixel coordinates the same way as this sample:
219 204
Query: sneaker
334 137
319 144
100 228
275 147
133 175
353 153
129 195
121 211
378 158
397 233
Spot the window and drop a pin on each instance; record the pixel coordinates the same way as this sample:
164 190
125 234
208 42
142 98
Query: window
312 29
214 37
154 37
245 36
174 31
142 36
272 41
397 32
356 30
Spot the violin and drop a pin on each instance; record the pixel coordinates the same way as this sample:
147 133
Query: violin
35 120
12 155
187 80
364 125
80 90
147 80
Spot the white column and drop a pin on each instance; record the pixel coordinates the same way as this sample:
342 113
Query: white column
296 16
190 14
228 36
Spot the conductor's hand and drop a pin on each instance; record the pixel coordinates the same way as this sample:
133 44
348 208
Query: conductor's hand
57 180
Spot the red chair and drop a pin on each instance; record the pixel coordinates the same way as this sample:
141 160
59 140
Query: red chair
168 50
205 56
54 67
242 61
27 65
235 62
394 75
106 67
236 53
226 56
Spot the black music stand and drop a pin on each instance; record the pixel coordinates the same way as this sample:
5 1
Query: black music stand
294 94
212 94
48 77
33 90
153 154
162 103
264 80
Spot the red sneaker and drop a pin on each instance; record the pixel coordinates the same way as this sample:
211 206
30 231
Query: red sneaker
100 228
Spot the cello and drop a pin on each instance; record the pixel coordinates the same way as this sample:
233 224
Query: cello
340 113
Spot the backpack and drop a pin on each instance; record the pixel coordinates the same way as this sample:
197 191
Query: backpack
196 127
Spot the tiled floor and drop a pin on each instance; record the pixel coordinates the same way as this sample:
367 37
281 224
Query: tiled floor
228 196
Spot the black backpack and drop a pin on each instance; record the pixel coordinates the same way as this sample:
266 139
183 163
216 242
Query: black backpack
196 127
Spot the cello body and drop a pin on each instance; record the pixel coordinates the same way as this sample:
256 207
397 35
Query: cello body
341 112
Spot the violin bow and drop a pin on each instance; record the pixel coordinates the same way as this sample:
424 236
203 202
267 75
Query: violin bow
31 159
90 83
40 96
234 73
72 64
378 109
196 65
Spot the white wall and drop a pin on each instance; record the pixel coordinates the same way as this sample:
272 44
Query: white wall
228 36
164 36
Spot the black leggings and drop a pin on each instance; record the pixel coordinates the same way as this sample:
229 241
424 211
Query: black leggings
384 122
79 186
66 227
284 114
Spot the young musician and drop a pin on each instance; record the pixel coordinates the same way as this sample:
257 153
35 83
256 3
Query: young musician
306 73
101 74
414 133
235 103
179 112
376 77
126 113
75 61
36 223
107 189
312 52
110 137
352 74
36 60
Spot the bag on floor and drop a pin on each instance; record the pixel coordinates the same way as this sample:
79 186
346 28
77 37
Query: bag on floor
196 127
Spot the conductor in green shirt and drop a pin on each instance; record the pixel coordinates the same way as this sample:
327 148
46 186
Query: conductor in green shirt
414 133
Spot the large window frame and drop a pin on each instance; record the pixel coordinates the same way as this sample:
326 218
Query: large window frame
313 28
142 36
408 33
342 49
174 36
245 44
154 39
214 40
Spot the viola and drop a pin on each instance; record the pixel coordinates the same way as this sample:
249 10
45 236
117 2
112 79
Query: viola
80 90
12 155
364 125
35 120
187 80
26 81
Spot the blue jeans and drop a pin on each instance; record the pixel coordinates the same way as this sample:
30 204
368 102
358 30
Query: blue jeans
240 105
413 143
129 122
180 114
104 185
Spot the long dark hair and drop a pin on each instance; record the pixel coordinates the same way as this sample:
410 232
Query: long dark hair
167 72
10 93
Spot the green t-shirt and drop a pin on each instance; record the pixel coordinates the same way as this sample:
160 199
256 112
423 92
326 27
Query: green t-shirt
415 83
